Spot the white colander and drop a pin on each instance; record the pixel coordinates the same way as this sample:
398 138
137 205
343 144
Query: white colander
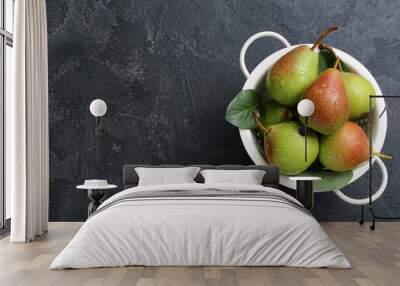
256 80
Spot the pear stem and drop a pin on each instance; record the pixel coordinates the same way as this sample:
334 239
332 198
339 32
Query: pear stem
256 115
322 36
326 47
335 66
383 156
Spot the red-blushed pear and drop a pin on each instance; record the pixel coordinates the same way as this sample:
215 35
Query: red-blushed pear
344 149
331 104
294 72
285 147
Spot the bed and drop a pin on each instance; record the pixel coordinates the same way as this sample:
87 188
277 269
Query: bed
201 224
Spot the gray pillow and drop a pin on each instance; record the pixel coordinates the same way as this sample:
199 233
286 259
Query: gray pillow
247 177
164 176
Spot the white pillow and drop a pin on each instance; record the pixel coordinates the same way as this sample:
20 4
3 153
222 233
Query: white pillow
163 176
248 177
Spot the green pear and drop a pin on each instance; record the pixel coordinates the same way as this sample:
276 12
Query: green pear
344 149
285 147
330 101
358 89
274 112
294 72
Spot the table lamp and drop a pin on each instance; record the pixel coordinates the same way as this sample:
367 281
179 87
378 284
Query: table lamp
305 108
98 108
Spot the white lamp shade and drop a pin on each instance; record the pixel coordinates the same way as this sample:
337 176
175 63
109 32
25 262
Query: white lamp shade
98 107
305 107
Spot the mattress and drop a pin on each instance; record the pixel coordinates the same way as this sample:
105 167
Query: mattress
201 225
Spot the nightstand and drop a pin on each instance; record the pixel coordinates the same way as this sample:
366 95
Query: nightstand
304 190
96 195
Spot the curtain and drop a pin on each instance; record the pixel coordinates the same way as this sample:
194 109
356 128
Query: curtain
27 153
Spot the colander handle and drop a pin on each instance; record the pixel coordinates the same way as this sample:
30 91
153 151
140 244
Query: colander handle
375 196
251 40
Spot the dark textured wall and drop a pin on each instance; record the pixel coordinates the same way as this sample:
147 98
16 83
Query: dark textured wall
167 70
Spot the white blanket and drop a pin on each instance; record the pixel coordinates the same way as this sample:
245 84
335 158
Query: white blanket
187 231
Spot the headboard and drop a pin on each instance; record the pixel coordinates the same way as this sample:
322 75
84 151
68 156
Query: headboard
271 178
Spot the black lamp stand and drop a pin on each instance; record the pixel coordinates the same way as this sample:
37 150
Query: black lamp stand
99 133
370 203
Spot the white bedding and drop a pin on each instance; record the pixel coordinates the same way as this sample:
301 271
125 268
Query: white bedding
200 231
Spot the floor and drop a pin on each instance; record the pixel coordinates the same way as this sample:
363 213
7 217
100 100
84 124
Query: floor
375 257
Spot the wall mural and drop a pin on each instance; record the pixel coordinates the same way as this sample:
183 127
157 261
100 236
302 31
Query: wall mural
167 71
308 107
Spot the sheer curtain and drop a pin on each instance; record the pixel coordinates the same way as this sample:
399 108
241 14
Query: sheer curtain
27 148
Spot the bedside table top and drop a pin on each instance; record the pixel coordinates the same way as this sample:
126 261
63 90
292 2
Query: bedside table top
305 178
87 187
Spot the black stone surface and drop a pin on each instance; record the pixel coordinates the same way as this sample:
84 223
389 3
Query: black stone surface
167 70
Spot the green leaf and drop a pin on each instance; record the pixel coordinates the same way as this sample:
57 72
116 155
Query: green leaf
240 110
327 60
330 180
